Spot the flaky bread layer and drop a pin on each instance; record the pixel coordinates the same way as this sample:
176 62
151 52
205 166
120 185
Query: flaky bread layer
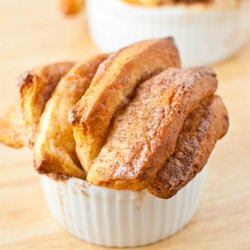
12 131
54 150
111 89
203 127
36 87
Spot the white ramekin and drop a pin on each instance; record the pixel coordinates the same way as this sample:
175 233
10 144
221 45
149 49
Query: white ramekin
203 35
119 218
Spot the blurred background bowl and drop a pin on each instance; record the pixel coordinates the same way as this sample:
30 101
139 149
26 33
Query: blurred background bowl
204 34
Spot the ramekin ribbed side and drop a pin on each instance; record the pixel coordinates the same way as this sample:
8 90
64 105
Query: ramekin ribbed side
119 218
203 35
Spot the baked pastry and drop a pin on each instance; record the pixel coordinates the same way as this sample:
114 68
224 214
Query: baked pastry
131 120
144 134
36 87
54 150
111 89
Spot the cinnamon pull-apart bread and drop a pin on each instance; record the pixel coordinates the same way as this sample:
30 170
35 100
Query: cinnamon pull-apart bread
112 87
131 120
144 134
54 150
203 127
36 87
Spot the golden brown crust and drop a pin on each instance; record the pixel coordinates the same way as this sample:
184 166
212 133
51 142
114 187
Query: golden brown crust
54 150
36 87
12 131
111 88
204 126
144 134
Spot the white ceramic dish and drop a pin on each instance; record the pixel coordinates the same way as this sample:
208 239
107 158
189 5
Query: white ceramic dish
119 218
203 35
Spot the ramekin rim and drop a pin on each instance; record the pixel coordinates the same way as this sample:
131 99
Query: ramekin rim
172 9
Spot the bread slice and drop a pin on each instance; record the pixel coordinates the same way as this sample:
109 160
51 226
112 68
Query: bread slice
144 134
36 87
112 87
204 126
12 130
54 150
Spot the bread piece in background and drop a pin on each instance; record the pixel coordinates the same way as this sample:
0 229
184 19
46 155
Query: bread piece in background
71 7
54 150
111 89
36 87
